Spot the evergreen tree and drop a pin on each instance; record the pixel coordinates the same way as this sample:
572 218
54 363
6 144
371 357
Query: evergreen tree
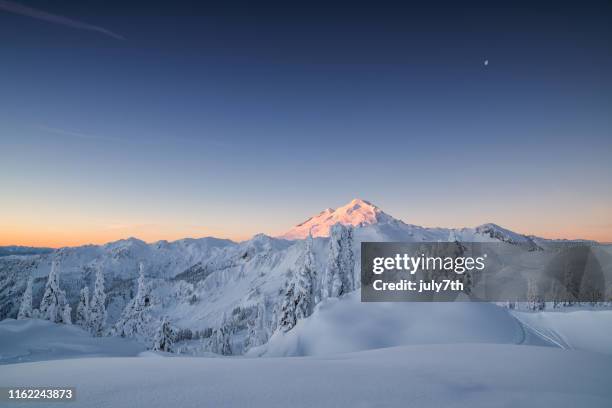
531 294
569 282
288 311
83 311
97 306
556 292
66 312
339 274
219 341
299 300
347 261
534 300
257 329
135 318
165 337
25 309
53 303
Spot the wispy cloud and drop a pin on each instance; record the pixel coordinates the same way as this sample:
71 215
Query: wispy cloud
16 8
79 135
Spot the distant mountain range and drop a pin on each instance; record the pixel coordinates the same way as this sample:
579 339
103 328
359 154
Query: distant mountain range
23 250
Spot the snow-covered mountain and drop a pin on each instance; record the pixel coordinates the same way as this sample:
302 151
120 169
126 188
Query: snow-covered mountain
233 295
375 225
357 213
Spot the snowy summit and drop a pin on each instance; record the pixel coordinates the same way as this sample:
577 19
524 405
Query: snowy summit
357 213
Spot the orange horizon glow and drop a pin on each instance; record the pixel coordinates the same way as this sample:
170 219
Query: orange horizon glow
54 238
59 239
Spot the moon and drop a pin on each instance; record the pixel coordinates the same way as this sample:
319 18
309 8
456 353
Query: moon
486 62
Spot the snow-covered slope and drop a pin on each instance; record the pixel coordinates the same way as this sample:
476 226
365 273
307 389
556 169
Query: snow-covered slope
40 340
426 376
574 329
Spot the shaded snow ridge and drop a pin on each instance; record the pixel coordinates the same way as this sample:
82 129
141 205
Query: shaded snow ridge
357 213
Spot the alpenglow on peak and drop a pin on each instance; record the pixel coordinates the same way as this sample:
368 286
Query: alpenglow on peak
357 213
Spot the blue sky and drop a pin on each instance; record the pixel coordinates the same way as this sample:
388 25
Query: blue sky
219 120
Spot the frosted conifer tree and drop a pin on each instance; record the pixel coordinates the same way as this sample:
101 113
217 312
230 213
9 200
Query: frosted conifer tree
219 342
348 261
53 303
25 309
556 292
288 311
534 301
299 300
257 329
165 337
97 306
135 318
66 312
82 312
339 274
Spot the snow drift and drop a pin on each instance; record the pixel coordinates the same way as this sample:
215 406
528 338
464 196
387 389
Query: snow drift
37 340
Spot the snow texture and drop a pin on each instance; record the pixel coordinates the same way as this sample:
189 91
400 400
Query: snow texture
459 375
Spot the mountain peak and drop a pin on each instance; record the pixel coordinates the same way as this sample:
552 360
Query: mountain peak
358 202
357 213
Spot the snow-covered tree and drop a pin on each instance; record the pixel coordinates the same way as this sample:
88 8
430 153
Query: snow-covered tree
556 292
53 305
348 260
219 341
572 289
25 309
534 300
339 274
288 310
165 337
83 312
66 312
257 329
97 306
299 300
135 319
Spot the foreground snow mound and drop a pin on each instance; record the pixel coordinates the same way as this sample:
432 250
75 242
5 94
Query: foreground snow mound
346 325
36 340
589 330
411 376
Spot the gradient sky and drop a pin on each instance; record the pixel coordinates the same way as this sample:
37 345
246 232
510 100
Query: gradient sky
163 120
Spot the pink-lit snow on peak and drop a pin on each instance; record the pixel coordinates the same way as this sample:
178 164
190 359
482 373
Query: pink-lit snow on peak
358 212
